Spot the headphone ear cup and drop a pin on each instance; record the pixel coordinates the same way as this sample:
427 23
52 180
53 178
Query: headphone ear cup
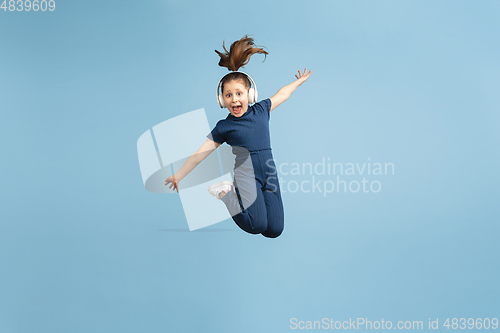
221 100
251 96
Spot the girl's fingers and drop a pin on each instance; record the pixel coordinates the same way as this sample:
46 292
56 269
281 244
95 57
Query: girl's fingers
173 183
304 75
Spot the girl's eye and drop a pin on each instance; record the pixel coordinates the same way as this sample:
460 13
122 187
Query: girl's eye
239 94
228 95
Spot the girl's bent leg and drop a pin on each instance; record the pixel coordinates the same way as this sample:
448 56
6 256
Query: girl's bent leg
252 219
275 214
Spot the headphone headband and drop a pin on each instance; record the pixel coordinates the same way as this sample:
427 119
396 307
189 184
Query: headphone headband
254 94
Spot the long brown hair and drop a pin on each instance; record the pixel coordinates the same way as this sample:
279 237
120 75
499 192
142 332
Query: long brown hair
238 56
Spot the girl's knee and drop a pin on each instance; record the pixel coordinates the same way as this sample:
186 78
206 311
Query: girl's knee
258 226
251 224
273 233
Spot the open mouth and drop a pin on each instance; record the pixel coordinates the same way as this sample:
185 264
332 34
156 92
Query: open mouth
236 108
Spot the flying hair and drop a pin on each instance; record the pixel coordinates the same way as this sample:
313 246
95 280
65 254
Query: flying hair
239 53
237 57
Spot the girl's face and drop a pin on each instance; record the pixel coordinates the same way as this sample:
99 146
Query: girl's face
236 97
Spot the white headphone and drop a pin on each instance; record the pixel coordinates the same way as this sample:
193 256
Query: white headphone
252 92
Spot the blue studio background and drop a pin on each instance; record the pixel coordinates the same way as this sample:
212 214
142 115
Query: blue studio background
85 248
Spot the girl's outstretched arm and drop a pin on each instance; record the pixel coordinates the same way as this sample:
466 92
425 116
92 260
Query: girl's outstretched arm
285 92
206 149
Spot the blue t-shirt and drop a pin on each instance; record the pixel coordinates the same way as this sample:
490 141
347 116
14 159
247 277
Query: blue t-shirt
250 131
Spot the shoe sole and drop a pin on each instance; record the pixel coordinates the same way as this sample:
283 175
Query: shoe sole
224 182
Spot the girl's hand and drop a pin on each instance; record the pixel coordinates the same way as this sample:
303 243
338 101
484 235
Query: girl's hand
303 77
174 182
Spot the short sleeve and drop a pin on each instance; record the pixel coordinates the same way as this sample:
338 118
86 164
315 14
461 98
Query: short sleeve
263 106
217 134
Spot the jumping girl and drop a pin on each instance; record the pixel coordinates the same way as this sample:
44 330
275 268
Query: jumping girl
254 198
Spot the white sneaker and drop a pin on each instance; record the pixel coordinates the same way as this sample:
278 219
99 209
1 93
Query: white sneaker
216 189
